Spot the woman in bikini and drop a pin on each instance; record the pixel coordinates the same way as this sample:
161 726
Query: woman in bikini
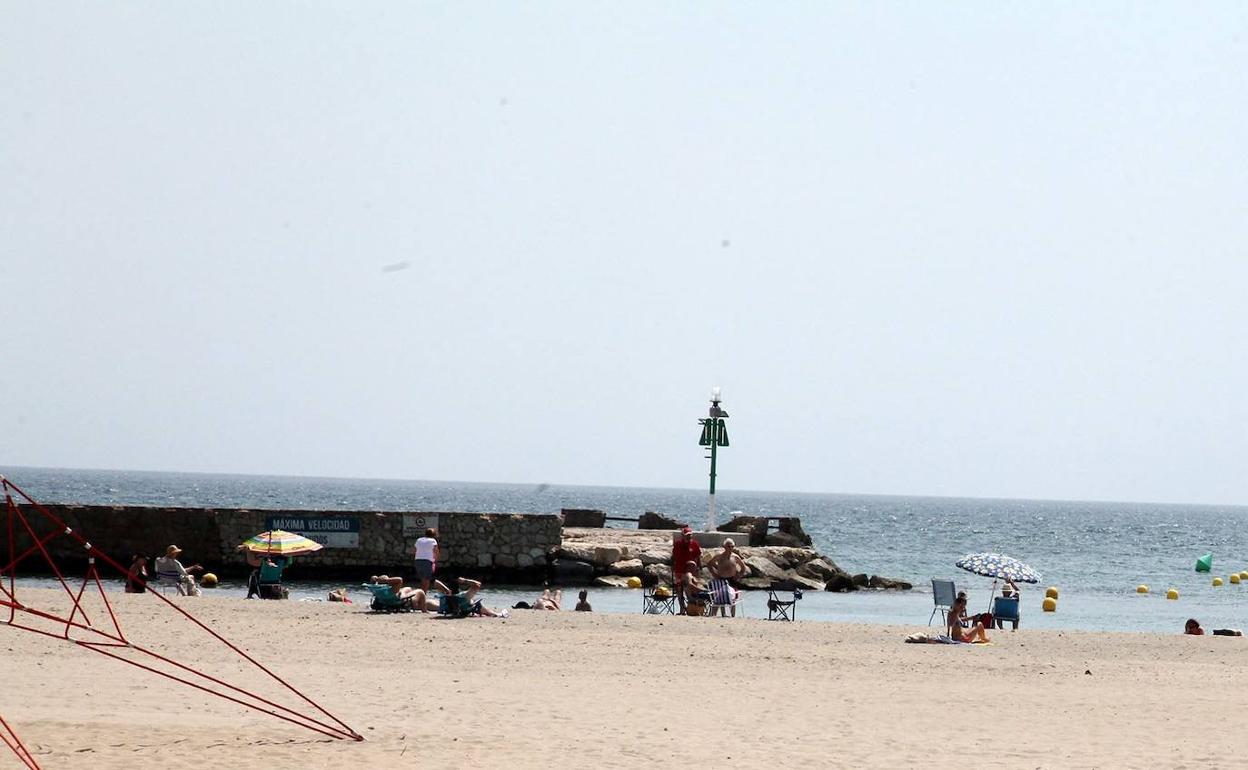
972 633
549 600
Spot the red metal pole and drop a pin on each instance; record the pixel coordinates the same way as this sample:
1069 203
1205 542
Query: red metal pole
15 743
345 732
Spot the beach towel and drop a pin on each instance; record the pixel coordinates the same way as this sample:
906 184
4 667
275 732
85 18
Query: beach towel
921 638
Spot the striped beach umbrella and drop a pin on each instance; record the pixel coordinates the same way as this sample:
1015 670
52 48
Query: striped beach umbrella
282 543
998 565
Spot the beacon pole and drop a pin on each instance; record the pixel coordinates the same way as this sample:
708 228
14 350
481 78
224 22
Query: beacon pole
714 435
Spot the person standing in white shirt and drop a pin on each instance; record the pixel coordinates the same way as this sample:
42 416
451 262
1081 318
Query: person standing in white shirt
427 555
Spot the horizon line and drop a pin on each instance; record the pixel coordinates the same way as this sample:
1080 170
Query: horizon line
610 486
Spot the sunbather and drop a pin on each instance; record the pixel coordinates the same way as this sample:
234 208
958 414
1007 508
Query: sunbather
971 633
414 596
549 600
1192 627
458 604
136 577
690 588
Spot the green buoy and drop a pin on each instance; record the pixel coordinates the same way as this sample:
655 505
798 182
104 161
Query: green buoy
1204 563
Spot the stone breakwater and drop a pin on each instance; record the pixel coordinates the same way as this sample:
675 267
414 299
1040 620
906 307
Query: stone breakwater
519 548
609 557
500 547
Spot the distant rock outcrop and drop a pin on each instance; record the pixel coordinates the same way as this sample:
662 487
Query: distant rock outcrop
656 520
890 584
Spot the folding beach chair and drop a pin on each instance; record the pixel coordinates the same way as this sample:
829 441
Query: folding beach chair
169 577
943 594
269 581
656 602
723 597
458 606
782 609
386 600
167 581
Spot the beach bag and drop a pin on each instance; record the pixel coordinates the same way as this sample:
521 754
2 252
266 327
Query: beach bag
696 609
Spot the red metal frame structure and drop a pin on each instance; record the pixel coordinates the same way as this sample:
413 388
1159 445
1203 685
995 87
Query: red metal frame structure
109 640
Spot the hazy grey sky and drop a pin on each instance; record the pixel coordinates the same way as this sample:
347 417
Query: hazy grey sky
990 249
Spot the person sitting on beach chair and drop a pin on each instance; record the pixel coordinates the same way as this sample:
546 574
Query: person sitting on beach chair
453 604
684 550
693 592
972 633
265 580
269 577
389 594
171 573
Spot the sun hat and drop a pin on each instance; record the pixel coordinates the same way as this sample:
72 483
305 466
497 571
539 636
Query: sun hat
172 550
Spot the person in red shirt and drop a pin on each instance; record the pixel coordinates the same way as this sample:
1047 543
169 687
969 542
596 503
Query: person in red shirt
684 550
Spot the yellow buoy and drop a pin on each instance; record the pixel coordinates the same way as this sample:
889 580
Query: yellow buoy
209 580
1234 578
634 582
1049 604
1217 582
1050 592
1173 593
1141 589
1243 575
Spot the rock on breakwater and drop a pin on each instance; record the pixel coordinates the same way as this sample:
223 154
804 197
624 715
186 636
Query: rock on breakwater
608 557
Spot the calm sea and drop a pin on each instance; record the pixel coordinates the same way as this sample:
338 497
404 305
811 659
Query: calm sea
1095 553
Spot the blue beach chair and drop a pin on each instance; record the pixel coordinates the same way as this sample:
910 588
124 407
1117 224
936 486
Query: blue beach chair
269 581
457 606
386 600
1005 608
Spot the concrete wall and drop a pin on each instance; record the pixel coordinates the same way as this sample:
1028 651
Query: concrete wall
494 546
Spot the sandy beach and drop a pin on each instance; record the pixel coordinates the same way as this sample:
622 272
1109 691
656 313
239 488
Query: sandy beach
545 689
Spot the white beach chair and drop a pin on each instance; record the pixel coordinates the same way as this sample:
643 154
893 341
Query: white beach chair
167 581
724 603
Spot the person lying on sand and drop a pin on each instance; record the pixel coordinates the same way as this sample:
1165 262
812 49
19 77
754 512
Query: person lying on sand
922 638
1192 628
972 633
549 600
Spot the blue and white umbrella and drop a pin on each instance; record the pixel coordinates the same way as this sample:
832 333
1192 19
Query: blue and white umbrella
998 565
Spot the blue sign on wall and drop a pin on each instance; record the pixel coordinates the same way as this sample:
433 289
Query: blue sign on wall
329 531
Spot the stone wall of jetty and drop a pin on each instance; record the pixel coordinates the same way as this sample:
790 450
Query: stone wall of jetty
523 548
